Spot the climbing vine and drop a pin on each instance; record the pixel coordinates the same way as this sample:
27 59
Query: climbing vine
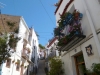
4 52
13 41
10 24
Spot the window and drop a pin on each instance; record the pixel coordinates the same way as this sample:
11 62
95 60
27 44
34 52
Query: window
8 63
18 65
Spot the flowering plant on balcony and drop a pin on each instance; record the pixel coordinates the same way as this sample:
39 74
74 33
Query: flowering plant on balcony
71 19
70 23
63 40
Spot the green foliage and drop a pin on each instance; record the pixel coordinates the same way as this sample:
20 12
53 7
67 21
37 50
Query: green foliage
56 67
16 30
4 53
11 24
13 41
95 69
42 47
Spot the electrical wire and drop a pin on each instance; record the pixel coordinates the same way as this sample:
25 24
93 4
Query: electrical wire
46 12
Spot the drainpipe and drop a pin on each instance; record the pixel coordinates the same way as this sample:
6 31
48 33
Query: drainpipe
92 26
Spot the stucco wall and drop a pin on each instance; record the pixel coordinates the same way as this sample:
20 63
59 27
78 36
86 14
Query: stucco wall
89 60
35 42
60 10
94 10
93 7
16 55
69 63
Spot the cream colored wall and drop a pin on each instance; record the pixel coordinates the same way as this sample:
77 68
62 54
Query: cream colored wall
99 36
89 60
94 10
69 64
78 5
84 22
60 10
16 55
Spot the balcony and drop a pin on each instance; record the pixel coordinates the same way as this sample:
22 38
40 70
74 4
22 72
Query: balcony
69 30
76 38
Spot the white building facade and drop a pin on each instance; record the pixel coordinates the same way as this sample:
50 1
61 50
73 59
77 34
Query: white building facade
35 50
51 48
82 51
20 60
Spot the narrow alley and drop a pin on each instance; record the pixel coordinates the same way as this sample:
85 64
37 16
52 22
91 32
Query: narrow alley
41 67
49 37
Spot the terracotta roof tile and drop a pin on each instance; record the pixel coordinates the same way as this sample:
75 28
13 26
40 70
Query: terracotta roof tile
8 18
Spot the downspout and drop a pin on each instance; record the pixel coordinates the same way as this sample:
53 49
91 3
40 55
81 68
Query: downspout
92 26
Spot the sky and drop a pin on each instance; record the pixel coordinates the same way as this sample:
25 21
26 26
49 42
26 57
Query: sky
38 14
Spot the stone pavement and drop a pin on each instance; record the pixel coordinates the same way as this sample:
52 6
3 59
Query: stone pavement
41 68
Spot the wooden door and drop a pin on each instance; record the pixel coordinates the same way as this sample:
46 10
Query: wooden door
80 64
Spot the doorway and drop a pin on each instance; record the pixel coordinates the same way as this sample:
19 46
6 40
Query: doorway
80 64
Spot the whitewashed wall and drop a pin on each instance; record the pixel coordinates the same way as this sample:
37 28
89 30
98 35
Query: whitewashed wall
94 11
17 55
35 51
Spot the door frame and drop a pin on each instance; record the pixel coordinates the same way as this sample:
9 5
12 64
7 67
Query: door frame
76 63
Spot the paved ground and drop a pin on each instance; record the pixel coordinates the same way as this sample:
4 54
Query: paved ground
41 68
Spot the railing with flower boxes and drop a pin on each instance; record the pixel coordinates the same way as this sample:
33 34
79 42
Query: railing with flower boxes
69 30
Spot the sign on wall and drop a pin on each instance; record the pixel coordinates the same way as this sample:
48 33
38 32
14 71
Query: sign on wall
89 50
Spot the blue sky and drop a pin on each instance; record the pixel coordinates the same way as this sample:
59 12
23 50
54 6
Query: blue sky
35 15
